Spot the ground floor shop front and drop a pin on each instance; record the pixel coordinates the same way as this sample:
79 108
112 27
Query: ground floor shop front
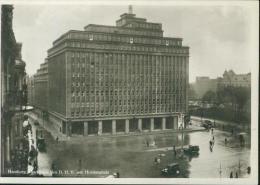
119 126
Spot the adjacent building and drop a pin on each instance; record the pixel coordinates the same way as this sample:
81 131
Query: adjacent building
115 79
204 84
13 89
230 78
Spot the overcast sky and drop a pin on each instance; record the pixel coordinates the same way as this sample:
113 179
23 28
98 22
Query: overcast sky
219 37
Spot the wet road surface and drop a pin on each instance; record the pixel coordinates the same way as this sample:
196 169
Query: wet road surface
130 156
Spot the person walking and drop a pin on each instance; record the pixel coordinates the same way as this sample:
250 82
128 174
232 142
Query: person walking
212 130
236 175
231 175
155 160
80 164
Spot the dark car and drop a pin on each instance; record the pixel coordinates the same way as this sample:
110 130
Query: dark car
36 123
207 124
171 169
40 141
192 150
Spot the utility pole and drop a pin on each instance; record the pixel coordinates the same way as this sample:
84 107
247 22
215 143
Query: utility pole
182 134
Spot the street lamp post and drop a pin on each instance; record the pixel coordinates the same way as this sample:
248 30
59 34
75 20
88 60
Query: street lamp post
182 137
220 170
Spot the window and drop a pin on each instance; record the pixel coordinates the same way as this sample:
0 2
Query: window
131 40
91 37
167 43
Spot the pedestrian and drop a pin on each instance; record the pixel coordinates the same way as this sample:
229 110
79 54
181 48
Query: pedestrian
236 175
232 132
231 175
117 175
29 126
57 139
80 164
211 130
35 166
173 148
248 170
225 141
155 160
158 161
147 143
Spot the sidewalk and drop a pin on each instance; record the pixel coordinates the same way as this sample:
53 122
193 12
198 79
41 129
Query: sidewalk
50 128
47 126
221 123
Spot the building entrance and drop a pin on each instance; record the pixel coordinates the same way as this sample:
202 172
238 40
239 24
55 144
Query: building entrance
92 127
107 126
133 125
169 123
120 125
157 123
77 128
146 124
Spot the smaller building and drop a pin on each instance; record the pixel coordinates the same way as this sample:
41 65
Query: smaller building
204 84
230 78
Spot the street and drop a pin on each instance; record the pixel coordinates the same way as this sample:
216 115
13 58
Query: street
131 157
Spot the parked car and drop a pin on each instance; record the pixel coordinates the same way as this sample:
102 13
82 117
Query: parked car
171 169
192 150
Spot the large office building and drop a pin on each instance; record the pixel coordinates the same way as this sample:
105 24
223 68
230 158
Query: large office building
117 79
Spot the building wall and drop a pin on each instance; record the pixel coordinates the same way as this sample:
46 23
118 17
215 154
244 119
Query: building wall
12 89
121 75
41 94
57 84
116 84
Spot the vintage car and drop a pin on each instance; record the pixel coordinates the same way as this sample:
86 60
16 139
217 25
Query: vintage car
207 124
192 150
40 141
172 169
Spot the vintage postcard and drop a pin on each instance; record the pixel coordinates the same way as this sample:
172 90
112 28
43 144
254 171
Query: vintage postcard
129 92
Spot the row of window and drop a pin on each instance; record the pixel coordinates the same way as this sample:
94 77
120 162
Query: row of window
102 30
125 39
121 47
77 112
131 93
145 25
134 58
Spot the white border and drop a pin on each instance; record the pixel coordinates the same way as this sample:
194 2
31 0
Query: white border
254 98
